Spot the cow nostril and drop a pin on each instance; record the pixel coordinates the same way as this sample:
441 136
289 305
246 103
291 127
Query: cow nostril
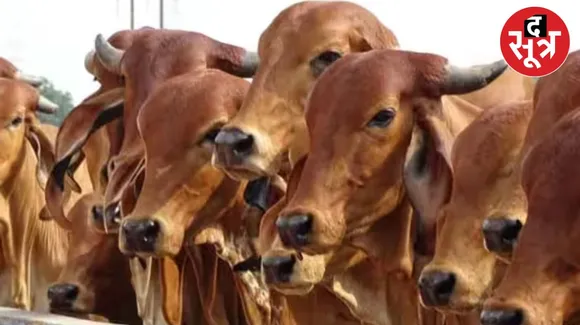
295 230
151 230
501 317
278 269
500 234
97 212
113 212
436 288
71 292
240 142
244 145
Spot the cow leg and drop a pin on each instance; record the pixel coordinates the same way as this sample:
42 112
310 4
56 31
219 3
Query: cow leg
21 274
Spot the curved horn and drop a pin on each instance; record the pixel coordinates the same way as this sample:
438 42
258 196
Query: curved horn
464 80
90 62
32 80
45 105
250 63
109 56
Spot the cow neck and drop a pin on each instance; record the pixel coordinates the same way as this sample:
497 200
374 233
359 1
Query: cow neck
25 200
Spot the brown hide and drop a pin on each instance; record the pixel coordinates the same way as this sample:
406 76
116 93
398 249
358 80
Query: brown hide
33 251
486 184
540 285
297 46
97 269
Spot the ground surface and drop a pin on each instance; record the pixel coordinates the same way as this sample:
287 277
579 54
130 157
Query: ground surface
10 316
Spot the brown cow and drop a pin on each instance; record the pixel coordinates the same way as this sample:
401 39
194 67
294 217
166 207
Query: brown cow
79 134
486 182
9 71
96 280
540 285
33 251
171 53
371 158
297 46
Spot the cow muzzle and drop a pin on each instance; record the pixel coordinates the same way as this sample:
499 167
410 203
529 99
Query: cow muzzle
436 288
501 317
62 296
140 235
295 230
106 219
278 269
233 146
500 235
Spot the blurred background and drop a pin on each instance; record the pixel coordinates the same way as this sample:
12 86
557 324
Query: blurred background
51 37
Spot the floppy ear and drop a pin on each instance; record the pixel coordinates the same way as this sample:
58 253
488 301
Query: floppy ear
44 152
80 124
294 177
172 286
428 172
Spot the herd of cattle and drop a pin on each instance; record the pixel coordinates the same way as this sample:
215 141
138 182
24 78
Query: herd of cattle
351 182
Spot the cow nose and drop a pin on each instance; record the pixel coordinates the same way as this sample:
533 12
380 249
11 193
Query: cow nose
500 235
62 295
294 230
113 212
436 288
98 212
278 269
240 143
141 235
501 317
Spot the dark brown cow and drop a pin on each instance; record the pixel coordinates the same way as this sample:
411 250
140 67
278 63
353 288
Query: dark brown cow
486 183
96 280
540 285
79 135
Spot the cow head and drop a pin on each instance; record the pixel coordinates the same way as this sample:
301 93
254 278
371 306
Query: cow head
486 186
19 103
361 117
154 57
541 284
95 271
301 42
180 188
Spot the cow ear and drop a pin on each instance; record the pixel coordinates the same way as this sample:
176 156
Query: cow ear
172 282
44 152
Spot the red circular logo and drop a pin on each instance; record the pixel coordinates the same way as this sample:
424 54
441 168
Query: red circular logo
535 41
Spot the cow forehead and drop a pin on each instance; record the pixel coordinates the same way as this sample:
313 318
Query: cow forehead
352 88
306 25
15 95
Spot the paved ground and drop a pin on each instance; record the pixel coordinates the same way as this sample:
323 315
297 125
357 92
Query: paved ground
10 316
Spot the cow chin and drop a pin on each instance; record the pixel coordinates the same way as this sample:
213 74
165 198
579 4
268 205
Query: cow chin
164 241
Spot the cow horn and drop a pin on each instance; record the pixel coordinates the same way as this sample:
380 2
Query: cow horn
29 79
250 63
464 80
90 62
109 56
45 105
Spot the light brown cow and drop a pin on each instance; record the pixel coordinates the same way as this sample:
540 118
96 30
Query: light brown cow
10 71
486 183
32 251
294 50
96 281
540 285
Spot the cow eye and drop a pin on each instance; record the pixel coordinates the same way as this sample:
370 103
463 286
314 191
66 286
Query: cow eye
382 119
16 122
322 61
